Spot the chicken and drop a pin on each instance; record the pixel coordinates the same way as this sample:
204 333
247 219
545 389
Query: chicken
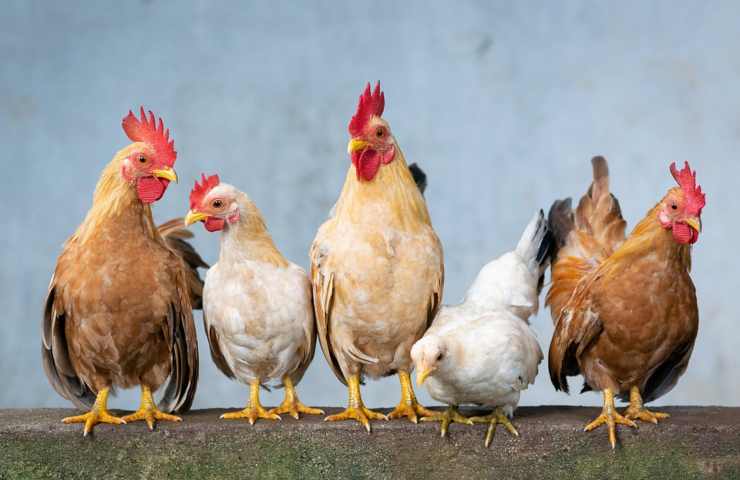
483 351
119 306
258 311
376 267
625 309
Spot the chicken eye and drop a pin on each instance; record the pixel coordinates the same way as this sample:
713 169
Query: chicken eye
439 357
142 159
217 204
380 132
674 206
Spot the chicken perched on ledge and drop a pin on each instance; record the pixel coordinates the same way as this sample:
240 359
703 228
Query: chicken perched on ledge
257 306
376 267
625 309
483 351
119 307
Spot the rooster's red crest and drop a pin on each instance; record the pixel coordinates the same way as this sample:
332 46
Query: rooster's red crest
686 179
370 104
200 190
151 130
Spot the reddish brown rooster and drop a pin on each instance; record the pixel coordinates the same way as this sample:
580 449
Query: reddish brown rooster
119 308
625 308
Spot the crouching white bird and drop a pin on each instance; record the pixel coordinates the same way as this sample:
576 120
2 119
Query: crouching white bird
257 306
483 351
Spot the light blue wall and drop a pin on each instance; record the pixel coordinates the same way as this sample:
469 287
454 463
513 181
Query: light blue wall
503 103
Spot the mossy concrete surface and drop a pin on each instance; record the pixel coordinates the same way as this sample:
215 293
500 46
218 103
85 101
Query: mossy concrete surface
694 443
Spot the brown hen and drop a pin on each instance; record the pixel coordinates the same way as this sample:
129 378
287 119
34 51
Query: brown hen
625 309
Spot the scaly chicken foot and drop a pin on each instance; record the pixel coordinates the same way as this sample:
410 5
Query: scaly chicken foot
637 411
493 419
97 414
291 405
409 407
450 415
149 412
356 409
611 418
254 410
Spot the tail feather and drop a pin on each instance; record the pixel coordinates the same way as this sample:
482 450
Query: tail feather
584 237
535 246
175 234
420 177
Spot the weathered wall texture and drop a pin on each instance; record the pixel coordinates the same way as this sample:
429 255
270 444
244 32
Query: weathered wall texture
503 103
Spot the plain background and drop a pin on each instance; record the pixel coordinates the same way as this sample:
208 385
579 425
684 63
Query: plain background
503 104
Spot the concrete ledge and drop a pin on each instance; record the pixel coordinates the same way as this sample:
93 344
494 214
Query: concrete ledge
695 442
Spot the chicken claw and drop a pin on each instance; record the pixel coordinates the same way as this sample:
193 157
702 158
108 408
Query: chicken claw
291 405
611 418
451 415
356 410
97 414
409 407
254 410
637 411
496 417
149 412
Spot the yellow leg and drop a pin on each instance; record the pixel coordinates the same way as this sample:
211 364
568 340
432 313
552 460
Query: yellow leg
409 407
451 415
291 405
97 414
637 411
356 409
496 417
149 412
611 418
254 410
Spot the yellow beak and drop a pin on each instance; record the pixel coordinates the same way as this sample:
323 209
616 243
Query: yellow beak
167 173
193 217
423 374
694 223
356 145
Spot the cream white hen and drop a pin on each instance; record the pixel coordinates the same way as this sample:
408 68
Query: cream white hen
257 306
483 351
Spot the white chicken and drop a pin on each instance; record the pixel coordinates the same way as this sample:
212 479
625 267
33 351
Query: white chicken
483 351
257 306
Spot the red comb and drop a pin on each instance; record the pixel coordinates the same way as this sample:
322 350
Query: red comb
371 103
695 199
199 191
151 131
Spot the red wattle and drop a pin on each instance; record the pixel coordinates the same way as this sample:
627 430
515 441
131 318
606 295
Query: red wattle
151 189
214 224
366 163
684 234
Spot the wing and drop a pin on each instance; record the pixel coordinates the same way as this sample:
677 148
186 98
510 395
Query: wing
576 328
310 333
215 348
175 235
664 378
55 355
323 295
435 301
181 335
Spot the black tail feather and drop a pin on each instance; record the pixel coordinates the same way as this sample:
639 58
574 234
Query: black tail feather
420 178
561 223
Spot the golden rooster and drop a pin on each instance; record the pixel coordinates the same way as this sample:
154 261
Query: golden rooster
625 308
119 306
376 267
